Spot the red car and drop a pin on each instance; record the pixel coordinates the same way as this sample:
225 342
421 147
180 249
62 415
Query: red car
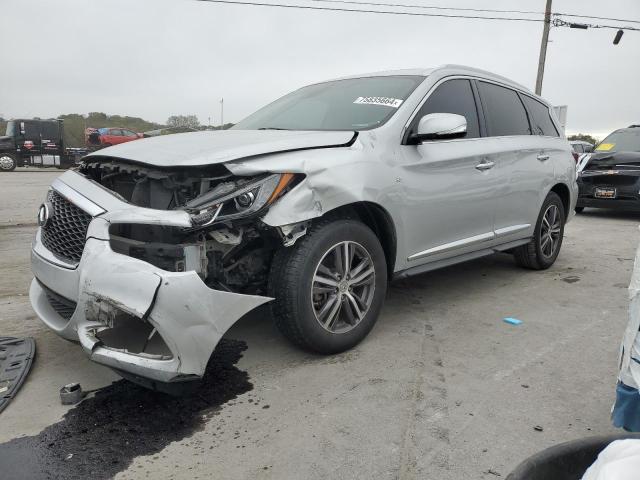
109 136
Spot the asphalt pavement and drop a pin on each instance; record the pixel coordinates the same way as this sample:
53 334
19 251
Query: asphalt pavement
441 389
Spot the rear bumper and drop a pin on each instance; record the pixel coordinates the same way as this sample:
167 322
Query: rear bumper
627 205
107 292
627 189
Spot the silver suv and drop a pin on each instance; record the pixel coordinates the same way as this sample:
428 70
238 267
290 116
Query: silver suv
151 250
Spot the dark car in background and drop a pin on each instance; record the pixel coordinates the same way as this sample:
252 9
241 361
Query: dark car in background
610 177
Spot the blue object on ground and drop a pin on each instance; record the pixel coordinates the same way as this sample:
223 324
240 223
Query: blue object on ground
626 411
513 321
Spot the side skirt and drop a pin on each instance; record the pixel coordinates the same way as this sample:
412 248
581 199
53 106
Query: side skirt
427 267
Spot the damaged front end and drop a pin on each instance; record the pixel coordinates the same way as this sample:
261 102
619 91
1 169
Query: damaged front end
168 260
224 243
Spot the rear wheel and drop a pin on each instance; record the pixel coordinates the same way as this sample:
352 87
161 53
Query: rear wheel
541 252
329 287
7 162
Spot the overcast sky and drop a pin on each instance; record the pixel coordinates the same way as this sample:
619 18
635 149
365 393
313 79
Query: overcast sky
156 58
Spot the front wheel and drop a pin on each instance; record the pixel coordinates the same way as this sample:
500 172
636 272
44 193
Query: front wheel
541 252
7 162
329 287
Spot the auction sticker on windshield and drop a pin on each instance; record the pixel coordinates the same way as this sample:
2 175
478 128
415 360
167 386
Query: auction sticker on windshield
605 146
383 101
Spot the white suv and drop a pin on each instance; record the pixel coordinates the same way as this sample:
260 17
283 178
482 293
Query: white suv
151 250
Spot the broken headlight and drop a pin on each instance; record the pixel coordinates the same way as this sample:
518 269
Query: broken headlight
231 200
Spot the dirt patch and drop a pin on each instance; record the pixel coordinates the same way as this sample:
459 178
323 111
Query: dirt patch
103 434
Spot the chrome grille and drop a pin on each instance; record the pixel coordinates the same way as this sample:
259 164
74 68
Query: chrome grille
65 232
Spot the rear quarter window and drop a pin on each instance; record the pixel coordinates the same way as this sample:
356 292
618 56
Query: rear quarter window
504 111
541 122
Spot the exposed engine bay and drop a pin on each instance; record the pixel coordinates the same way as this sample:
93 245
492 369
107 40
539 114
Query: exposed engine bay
227 245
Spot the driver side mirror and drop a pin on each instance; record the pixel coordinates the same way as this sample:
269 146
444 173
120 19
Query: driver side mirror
440 126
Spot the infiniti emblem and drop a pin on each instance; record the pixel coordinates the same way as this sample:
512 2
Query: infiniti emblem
44 214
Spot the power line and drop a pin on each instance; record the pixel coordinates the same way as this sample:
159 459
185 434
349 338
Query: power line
596 18
430 7
480 10
558 22
382 12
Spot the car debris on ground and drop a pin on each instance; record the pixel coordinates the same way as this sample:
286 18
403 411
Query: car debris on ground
16 358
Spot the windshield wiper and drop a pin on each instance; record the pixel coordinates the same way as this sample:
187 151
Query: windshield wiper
272 128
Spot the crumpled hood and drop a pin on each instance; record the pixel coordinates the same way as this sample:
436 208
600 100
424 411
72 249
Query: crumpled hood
211 147
610 159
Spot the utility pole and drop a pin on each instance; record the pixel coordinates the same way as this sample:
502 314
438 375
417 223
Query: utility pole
222 114
543 47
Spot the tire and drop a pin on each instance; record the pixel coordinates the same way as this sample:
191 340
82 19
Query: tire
579 209
539 254
8 162
299 313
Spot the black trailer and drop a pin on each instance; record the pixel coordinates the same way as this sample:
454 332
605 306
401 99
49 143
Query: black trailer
36 143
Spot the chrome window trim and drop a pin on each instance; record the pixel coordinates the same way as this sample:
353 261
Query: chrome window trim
471 77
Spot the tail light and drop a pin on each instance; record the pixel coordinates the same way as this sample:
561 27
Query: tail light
575 156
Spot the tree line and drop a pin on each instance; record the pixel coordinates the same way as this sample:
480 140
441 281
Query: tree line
76 123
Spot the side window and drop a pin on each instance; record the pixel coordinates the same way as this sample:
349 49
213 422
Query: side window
115 131
31 129
128 133
504 111
453 96
541 118
50 131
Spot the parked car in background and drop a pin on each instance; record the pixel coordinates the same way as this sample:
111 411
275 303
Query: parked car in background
167 131
579 148
610 177
150 251
107 137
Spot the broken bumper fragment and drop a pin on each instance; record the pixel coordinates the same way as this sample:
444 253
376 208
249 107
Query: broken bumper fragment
129 314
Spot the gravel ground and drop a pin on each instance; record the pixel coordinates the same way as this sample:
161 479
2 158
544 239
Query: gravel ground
441 389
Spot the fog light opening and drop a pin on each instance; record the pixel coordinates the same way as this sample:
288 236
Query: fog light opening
134 336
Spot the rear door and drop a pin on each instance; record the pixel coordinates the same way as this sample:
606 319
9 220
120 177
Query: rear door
448 186
522 163
114 136
128 135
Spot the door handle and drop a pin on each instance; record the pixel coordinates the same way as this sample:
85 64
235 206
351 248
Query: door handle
485 165
542 157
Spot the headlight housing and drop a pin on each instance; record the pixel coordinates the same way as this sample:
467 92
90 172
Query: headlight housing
229 201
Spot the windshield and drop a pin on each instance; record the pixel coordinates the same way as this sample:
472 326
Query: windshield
353 104
621 141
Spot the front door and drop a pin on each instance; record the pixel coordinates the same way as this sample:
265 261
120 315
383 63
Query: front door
449 184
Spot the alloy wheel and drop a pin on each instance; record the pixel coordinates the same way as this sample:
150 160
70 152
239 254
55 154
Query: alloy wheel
343 287
550 231
6 162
